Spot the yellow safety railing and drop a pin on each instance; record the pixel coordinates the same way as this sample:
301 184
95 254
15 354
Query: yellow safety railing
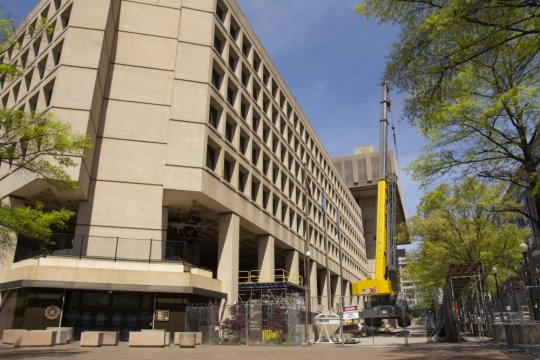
276 275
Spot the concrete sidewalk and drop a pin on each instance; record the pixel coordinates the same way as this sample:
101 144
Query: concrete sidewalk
221 352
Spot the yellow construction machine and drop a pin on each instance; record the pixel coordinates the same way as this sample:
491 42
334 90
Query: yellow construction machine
379 293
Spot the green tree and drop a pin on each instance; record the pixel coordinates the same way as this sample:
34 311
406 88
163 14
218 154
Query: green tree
464 223
470 69
34 143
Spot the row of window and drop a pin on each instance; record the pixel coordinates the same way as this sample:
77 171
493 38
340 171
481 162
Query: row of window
237 174
245 77
39 53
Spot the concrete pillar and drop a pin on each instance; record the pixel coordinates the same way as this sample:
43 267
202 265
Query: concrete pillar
266 258
228 255
323 280
292 266
336 291
347 299
313 285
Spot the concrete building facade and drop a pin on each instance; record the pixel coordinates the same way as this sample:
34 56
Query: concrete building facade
196 171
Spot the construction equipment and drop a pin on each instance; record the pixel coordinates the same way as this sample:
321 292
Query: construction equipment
379 292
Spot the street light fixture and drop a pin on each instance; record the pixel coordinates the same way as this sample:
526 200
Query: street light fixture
523 248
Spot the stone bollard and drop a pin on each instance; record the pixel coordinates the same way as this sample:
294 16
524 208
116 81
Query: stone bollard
186 339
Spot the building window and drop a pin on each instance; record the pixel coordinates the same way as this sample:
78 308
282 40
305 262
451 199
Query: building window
219 41
246 46
244 108
275 205
266 164
221 11
50 32
217 76
266 133
41 67
32 103
214 115
266 197
24 59
266 104
275 174
56 53
36 46
256 91
233 60
230 128
266 77
211 157
48 92
255 151
234 29
64 18
242 179
2 80
16 91
231 95
243 143
256 122
256 62
245 76
254 189
228 169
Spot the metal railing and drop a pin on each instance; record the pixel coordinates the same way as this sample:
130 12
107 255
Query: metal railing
276 275
110 248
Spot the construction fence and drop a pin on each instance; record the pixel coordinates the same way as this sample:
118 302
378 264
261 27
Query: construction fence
248 323
516 317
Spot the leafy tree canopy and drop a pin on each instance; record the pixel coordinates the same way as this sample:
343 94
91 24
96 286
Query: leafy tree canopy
470 69
464 223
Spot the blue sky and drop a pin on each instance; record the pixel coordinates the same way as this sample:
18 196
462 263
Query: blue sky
332 61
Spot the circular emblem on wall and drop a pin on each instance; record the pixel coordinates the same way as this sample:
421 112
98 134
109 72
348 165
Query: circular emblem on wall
52 312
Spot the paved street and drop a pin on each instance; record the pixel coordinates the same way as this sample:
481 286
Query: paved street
218 352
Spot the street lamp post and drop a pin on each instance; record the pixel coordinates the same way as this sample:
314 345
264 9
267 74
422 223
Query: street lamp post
494 271
523 248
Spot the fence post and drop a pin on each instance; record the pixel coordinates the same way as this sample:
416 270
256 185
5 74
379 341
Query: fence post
246 317
82 243
150 253
116 249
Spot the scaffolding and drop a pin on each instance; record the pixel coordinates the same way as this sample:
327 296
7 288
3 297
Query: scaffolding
464 310
284 289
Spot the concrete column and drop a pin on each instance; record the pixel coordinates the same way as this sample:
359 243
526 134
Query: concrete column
266 258
347 300
292 265
228 255
336 291
313 284
323 280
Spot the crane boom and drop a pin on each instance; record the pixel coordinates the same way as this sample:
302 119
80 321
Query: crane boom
379 284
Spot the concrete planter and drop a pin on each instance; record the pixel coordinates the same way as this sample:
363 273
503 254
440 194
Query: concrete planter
186 339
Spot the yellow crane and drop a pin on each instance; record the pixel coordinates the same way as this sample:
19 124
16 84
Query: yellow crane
378 290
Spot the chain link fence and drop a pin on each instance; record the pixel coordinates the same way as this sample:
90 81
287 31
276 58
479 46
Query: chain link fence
248 323
516 318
